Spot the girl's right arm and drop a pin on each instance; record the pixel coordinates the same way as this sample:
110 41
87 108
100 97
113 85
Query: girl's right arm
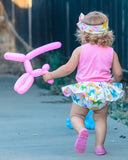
66 69
116 69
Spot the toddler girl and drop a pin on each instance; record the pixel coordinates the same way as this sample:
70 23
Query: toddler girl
95 87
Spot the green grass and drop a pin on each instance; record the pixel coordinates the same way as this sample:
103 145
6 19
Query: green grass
119 111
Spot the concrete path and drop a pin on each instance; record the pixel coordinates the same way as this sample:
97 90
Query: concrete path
33 127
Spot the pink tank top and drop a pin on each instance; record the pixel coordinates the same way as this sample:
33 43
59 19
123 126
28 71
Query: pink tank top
94 64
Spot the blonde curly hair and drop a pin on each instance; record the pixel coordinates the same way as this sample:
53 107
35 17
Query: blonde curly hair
102 39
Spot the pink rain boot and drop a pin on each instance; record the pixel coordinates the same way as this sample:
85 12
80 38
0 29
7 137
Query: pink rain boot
100 151
80 145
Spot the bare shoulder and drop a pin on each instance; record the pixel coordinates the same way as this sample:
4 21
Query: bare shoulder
116 69
114 53
115 56
116 63
77 51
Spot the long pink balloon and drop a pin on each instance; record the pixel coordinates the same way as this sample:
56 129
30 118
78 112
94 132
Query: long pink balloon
23 84
43 49
19 57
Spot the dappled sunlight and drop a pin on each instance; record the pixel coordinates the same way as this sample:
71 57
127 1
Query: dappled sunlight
23 3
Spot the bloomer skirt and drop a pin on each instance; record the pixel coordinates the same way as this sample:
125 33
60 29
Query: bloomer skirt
93 95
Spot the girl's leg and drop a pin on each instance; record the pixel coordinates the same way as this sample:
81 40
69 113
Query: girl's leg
77 116
100 118
77 119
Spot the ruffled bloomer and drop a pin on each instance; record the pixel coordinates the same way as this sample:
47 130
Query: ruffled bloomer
93 95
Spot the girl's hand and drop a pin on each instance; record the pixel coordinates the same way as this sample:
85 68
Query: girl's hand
47 76
112 80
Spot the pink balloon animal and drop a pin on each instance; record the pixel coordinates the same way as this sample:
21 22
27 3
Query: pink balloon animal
23 84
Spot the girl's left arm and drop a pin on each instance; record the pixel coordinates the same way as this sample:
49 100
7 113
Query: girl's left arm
65 69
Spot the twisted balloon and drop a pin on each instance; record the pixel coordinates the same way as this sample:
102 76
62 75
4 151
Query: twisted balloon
24 82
